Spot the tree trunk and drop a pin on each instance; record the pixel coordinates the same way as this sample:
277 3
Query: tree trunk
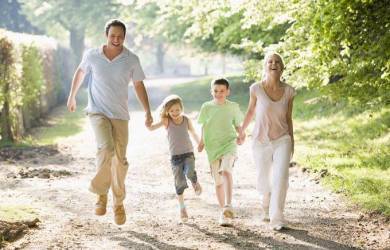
77 43
6 132
160 53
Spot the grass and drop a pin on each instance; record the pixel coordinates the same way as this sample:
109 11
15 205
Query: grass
351 142
60 125
14 212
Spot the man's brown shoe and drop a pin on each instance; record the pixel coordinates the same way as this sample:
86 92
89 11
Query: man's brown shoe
101 204
120 215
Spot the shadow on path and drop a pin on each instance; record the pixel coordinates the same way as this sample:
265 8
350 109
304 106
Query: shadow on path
150 242
303 235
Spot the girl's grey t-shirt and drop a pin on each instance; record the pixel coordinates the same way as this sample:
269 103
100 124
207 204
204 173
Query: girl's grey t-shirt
178 137
109 80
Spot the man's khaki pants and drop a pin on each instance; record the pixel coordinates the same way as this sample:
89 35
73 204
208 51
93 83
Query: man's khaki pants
111 137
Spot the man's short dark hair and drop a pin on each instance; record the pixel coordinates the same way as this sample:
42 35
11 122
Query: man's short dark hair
220 81
116 23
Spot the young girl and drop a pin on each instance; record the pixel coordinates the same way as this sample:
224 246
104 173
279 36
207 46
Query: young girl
178 128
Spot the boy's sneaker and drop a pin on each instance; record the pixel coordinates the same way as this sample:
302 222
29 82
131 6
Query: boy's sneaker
223 221
183 215
119 215
197 188
101 205
228 211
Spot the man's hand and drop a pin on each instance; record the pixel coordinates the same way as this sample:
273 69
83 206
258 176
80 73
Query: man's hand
148 120
292 148
71 104
200 146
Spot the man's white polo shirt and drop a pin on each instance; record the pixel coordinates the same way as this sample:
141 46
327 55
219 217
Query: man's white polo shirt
109 80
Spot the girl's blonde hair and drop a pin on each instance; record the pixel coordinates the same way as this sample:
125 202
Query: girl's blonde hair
266 57
167 103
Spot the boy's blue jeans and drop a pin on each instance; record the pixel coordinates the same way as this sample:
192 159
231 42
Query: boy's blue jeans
183 166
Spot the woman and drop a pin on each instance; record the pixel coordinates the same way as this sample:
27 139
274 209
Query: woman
271 101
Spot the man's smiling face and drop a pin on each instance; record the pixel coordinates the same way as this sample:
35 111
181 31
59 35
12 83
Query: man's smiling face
115 37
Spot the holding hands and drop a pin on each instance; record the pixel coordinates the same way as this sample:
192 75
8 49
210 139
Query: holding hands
200 146
241 137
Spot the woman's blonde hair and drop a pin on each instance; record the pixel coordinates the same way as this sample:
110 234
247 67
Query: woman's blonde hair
167 103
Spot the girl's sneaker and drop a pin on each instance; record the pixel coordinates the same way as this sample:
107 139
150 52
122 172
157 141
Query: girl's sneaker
228 211
197 188
223 221
183 215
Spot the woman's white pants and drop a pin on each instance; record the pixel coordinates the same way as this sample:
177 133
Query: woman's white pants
272 161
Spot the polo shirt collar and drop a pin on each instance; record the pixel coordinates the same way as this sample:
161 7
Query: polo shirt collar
122 54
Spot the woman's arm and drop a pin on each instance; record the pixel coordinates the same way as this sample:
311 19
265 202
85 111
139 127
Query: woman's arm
193 131
290 123
249 115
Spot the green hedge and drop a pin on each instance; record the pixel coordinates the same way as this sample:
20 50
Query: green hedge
31 80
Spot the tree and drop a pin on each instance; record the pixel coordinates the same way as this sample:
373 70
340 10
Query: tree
75 17
12 19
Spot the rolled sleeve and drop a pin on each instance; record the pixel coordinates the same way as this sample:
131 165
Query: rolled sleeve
238 116
202 115
85 63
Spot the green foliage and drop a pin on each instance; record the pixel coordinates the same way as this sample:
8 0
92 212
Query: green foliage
8 89
341 48
23 81
58 17
32 75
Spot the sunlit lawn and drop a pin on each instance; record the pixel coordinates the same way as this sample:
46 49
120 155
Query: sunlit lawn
351 143
12 212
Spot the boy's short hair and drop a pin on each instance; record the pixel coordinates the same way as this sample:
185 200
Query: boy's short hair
115 23
220 81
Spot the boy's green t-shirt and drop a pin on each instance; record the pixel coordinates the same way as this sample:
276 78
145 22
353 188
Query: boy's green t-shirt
219 133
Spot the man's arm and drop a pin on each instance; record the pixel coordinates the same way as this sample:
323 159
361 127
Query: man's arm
76 83
162 123
142 96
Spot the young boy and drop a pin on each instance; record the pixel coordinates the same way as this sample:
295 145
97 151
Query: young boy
220 119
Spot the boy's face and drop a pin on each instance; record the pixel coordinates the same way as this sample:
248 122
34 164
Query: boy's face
220 92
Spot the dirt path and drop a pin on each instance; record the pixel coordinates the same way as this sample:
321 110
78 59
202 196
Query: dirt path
318 218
